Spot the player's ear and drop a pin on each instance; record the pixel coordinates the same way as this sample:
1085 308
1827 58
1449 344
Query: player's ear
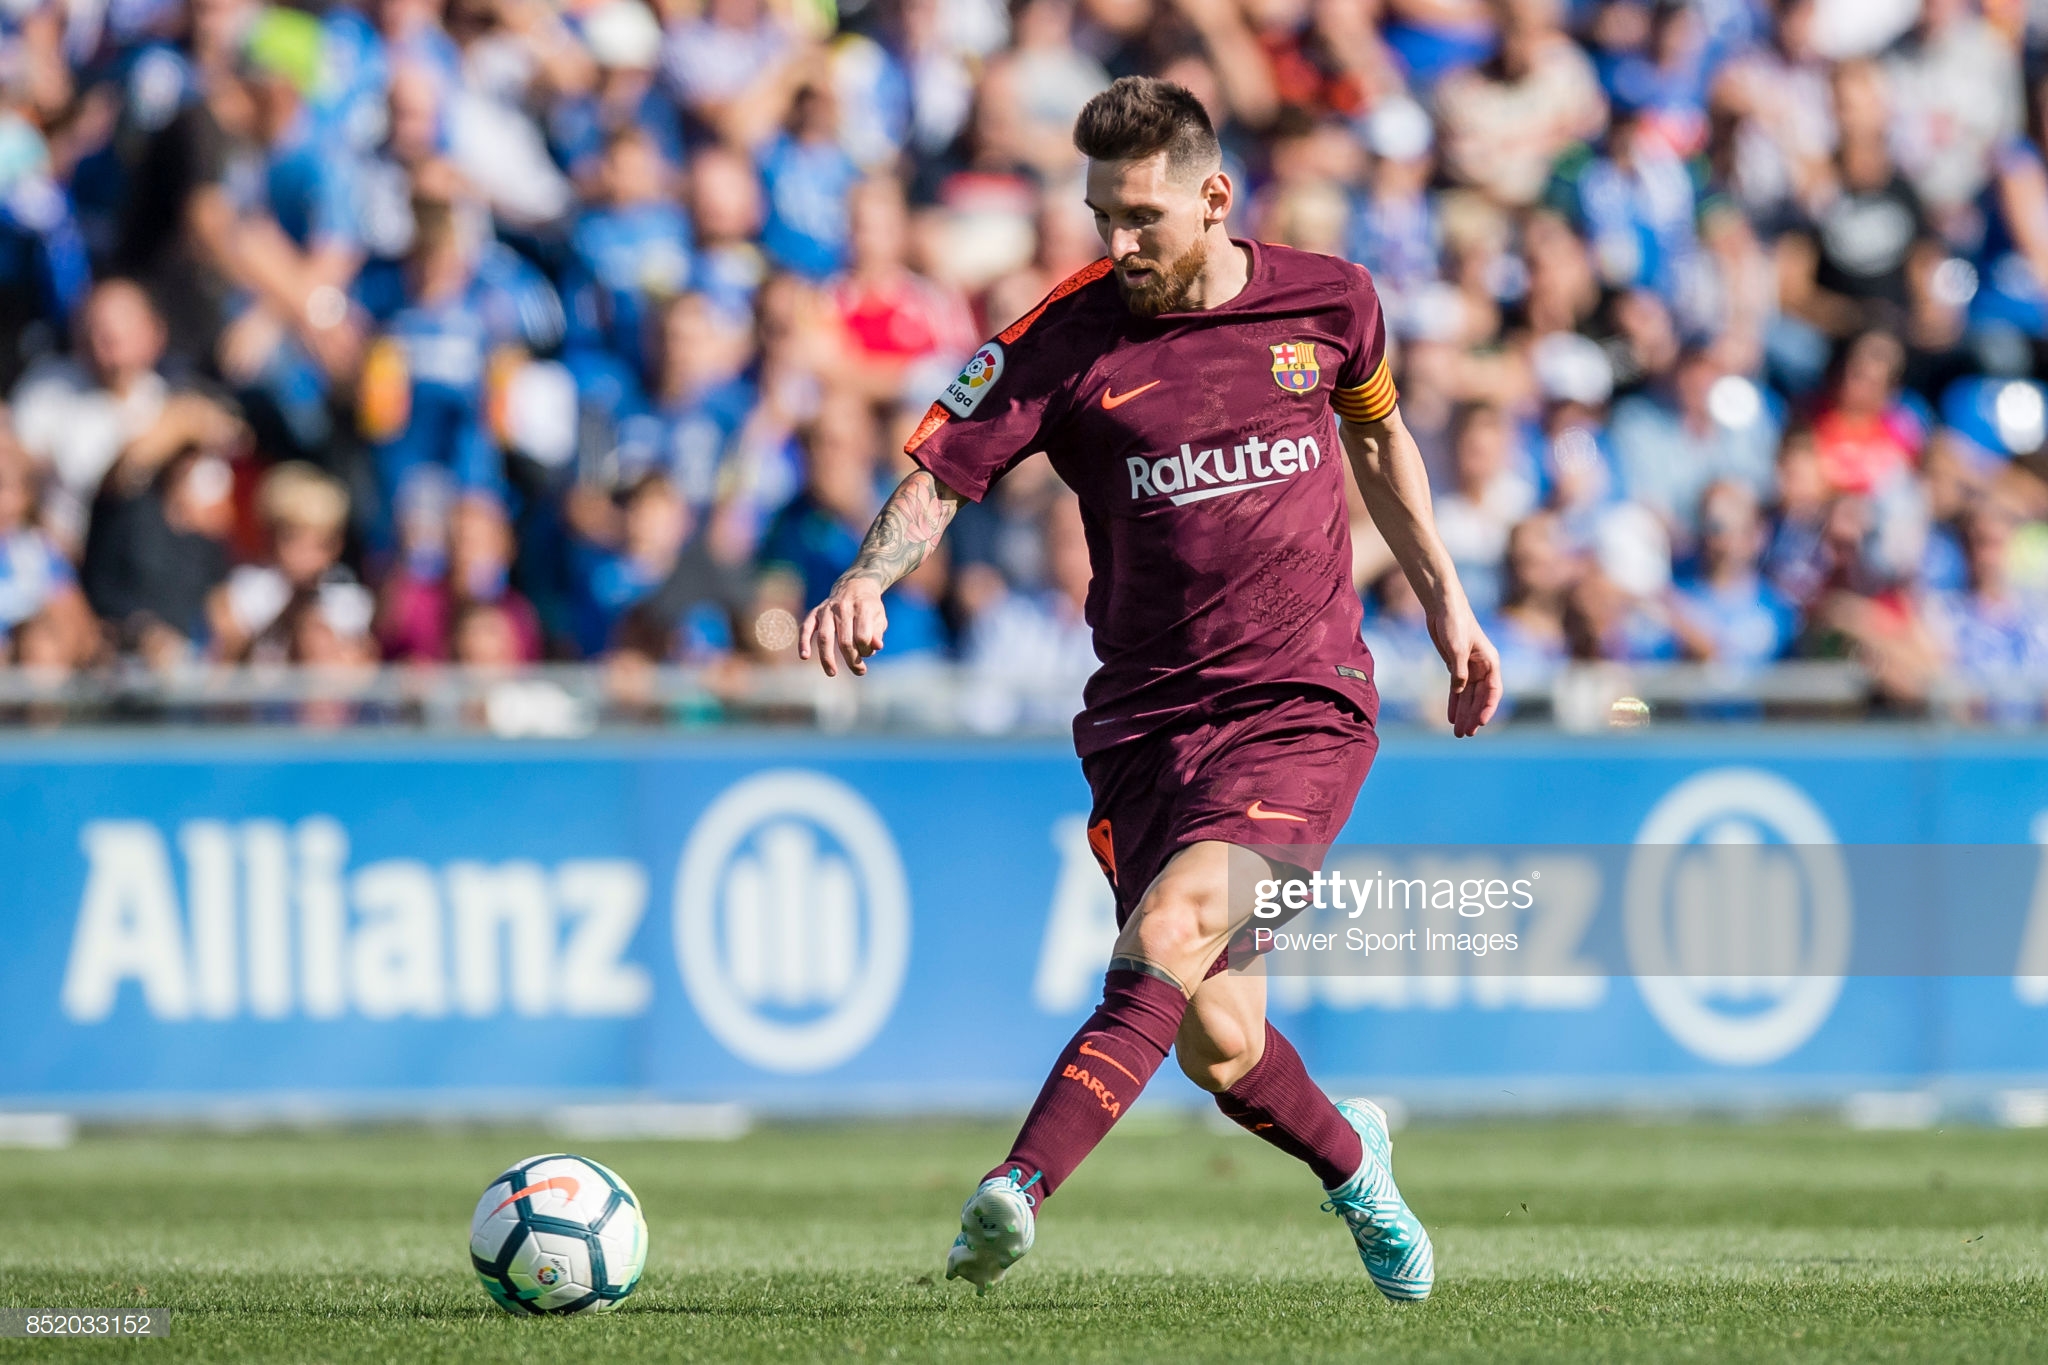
1217 194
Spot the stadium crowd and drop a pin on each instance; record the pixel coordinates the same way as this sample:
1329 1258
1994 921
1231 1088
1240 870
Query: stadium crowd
495 331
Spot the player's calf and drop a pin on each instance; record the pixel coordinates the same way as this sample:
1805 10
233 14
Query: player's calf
1223 1037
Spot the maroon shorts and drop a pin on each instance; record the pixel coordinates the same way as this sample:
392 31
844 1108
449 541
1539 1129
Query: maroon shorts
1285 774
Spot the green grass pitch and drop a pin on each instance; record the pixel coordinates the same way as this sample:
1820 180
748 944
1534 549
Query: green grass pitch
1556 1241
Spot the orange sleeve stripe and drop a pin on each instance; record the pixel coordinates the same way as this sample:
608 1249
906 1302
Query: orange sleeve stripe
935 417
1086 275
1370 401
1363 412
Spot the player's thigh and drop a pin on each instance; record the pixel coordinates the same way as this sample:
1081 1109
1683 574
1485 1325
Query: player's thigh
1223 1034
1188 913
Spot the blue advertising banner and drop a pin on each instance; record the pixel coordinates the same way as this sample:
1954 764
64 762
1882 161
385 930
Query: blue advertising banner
909 923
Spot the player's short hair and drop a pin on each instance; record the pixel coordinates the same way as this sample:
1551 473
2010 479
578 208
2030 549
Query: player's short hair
1141 116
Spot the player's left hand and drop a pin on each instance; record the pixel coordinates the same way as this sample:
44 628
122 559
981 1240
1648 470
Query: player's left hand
1474 665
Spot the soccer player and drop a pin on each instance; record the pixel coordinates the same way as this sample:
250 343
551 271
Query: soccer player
1183 387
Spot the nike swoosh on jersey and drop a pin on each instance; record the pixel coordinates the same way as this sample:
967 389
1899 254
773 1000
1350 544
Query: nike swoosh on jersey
1258 811
1117 400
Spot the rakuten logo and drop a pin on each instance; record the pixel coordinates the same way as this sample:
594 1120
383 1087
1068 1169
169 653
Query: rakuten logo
1194 475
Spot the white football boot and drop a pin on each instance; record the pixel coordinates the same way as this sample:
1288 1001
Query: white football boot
996 1229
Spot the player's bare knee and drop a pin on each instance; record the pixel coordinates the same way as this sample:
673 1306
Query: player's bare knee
1173 930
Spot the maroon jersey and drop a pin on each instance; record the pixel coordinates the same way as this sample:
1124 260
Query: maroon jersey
1211 484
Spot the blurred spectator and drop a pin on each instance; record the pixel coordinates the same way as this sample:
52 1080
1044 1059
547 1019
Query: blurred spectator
1864 434
1869 612
1397 234
699 397
43 266
1041 636
1726 611
414 145
417 619
76 417
1433 37
2011 262
807 175
1051 78
1705 426
330 628
1637 202
725 204
1851 271
724 59
1665 77
1505 122
327 632
1778 100
1604 622
1618 609
1956 84
39 592
654 523
158 549
702 612
631 250
1529 629
1796 560
1987 632
905 333
457 302
484 635
1580 474
1486 498
624 40
305 516
924 40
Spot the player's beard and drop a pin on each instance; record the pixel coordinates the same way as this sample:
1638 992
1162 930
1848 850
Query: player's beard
1167 290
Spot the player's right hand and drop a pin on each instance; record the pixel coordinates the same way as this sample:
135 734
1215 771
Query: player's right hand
847 625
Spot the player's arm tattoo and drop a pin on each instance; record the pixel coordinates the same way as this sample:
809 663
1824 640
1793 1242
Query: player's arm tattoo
905 532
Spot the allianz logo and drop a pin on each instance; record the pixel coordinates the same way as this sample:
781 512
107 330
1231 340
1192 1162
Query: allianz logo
1197 475
268 921
790 920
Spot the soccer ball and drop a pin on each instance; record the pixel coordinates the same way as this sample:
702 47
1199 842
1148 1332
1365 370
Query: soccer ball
558 1234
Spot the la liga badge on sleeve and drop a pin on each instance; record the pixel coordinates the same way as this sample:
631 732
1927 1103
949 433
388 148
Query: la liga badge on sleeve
965 393
1294 366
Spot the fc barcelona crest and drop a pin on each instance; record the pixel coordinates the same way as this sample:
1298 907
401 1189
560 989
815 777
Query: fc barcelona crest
1294 366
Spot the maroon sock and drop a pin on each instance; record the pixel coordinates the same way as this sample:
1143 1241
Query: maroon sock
1097 1076
1277 1101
